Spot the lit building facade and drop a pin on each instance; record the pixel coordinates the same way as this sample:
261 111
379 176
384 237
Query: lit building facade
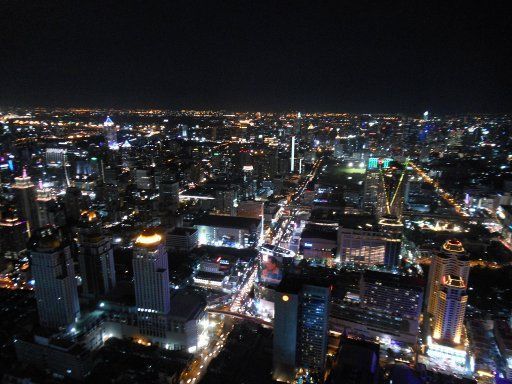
450 310
151 278
25 198
451 260
300 329
55 281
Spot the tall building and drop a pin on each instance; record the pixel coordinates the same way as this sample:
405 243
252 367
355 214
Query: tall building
392 229
450 310
55 281
393 294
95 256
25 197
13 237
292 157
451 260
110 133
300 328
74 203
151 278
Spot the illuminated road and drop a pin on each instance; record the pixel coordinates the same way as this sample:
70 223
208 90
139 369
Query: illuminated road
441 192
199 365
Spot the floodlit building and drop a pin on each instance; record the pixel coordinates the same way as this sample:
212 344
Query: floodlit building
451 260
450 310
25 197
230 231
151 279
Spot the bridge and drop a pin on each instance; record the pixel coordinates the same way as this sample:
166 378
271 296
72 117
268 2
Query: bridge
241 316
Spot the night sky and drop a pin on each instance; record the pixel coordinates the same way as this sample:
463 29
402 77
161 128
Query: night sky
257 55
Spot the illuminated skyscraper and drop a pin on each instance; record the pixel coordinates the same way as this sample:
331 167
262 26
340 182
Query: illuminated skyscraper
110 133
300 328
95 256
292 158
25 198
451 260
151 278
450 309
55 282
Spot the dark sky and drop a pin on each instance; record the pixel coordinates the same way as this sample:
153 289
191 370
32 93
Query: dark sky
258 55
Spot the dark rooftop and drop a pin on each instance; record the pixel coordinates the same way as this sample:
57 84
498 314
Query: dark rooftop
228 222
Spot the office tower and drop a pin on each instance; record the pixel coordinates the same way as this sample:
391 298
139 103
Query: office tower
44 202
450 309
451 260
151 278
393 229
169 193
95 256
298 125
292 158
74 204
13 237
300 328
110 133
360 241
25 198
55 156
55 282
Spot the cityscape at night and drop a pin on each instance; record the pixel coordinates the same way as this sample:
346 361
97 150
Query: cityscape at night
255 194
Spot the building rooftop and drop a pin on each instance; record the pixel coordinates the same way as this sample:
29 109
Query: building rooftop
228 222
187 305
361 222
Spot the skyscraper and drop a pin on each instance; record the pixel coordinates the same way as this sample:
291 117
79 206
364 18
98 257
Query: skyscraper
110 133
95 256
450 309
151 278
13 237
25 198
392 228
451 260
300 328
55 282
292 157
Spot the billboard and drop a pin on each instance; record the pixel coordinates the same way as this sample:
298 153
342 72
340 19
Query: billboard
271 269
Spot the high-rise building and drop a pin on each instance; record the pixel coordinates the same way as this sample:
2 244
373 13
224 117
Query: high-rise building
450 310
95 256
393 294
300 328
74 203
13 237
392 228
110 133
451 260
151 278
169 190
292 156
25 198
55 281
